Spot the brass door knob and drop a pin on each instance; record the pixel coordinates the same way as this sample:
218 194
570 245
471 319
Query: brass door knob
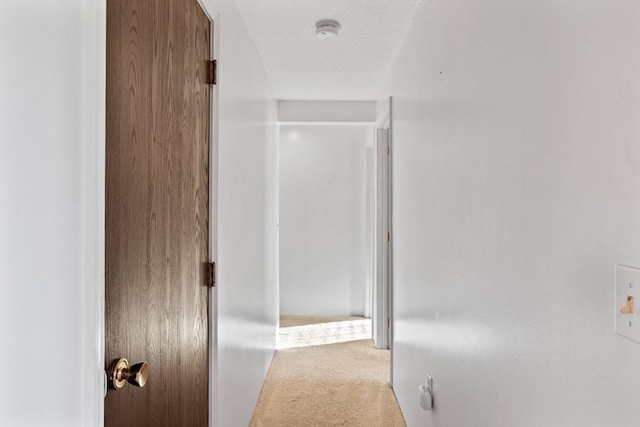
120 373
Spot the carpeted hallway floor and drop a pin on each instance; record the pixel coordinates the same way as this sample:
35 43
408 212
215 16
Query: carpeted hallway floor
343 384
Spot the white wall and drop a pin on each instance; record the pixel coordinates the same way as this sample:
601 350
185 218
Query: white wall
516 191
52 75
322 219
247 299
326 111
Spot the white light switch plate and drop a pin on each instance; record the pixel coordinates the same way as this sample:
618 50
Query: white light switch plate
628 284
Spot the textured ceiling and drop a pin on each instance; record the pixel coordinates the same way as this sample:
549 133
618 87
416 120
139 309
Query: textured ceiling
351 66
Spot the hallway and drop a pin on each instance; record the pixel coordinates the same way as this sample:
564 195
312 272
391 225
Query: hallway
341 384
510 131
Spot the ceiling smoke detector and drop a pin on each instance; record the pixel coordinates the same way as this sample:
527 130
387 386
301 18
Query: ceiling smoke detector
327 29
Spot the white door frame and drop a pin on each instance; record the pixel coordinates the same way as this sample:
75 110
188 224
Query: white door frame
370 221
214 167
382 242
390 225
383 269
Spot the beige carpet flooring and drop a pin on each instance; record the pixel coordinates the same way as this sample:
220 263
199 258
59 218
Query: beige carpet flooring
342 384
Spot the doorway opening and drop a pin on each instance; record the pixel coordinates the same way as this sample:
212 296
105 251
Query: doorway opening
324 289
335 257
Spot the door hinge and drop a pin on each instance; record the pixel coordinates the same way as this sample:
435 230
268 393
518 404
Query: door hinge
388 236
211 274
213 72
388 322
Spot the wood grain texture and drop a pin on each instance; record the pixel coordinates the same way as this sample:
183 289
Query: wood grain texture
157 218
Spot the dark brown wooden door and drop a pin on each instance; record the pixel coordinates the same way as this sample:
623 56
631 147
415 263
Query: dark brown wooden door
157 209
